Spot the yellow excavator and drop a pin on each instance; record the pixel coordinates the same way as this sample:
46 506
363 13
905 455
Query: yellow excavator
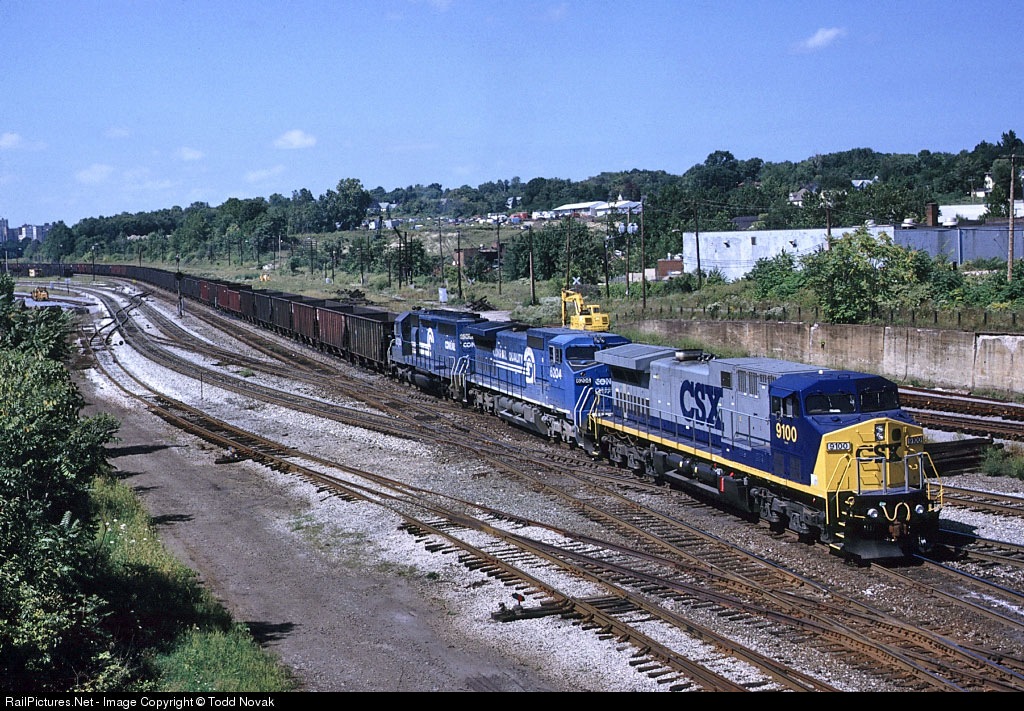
578 314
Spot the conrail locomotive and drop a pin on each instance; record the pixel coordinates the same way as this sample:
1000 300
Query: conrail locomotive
828 454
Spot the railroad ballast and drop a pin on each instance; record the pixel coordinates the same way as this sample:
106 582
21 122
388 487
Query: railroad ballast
829 454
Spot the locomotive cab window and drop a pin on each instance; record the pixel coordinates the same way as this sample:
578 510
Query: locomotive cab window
580 355
788 406
879 400
554 355
830 404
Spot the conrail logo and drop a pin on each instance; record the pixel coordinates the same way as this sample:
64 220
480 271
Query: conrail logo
699 402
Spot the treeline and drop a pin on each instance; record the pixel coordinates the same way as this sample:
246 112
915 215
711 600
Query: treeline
55 630
706 197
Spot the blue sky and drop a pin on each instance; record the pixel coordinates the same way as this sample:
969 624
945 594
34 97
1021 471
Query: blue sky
114 106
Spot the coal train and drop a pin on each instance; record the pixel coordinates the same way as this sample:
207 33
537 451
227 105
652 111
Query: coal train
829 454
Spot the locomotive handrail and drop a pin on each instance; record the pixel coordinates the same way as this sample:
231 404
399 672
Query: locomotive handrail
832 486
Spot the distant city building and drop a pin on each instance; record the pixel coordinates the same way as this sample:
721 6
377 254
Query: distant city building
33 232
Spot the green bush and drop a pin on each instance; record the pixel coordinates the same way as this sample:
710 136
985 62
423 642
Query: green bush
1003 462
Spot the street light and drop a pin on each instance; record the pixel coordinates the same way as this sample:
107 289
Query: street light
628 228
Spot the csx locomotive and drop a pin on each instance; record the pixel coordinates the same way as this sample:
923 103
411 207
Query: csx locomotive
826 453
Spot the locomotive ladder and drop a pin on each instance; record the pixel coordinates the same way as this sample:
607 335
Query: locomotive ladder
459 377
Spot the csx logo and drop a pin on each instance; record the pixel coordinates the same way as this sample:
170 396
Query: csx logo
699 401
889 452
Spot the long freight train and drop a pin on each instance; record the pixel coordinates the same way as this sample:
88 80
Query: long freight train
827 453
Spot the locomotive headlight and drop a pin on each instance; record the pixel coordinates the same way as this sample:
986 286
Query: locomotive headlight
880 433
872 513
919 509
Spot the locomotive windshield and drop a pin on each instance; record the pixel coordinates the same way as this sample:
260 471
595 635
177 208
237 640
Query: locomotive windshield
580 353
879 400
830 404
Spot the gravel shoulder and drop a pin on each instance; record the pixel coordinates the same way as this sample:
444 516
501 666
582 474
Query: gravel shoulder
324 602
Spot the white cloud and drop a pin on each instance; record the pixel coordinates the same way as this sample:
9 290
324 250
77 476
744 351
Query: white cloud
556 13
10 141
821 39
295 138
94 174
189 154
256 176
117 132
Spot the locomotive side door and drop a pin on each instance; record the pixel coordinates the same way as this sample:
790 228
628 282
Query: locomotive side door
788 427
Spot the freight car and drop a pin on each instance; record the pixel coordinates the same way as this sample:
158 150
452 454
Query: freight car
826 453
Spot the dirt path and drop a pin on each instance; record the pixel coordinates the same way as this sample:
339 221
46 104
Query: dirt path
339 627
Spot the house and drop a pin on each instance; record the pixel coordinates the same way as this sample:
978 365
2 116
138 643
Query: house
862 183
579 209
798 197
620 207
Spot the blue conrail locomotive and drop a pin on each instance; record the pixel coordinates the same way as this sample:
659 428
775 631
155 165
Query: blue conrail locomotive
826 453
541 379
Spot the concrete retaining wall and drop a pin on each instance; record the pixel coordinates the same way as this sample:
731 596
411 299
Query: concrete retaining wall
940 358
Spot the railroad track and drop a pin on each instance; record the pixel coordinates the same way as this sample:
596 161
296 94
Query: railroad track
744 587
984 501
969 424
653 657
962 403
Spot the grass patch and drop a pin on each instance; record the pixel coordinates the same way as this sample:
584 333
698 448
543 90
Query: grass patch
219 660
169 631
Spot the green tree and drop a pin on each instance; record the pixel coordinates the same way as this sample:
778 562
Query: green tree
777 277
345 208
857 273
51 632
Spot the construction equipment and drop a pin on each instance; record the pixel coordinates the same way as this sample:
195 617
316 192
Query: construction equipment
584 316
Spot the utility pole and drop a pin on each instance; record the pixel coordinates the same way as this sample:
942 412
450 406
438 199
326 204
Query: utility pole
440 251
533 285
177 280
696 237
568 220
607 236
629 216
1009 259
458 259
643 256
499 257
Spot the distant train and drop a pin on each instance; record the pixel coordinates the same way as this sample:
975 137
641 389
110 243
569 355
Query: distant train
829 454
